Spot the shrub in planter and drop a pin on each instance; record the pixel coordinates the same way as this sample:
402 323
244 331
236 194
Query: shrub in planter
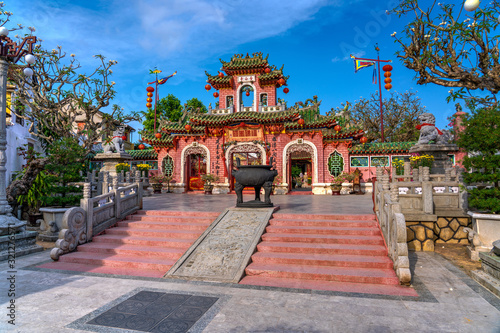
125 167
480 138
65 163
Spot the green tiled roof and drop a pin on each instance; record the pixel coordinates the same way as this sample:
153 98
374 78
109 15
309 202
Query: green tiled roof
251 116
344 133
219 82
145 154
241 62
382 148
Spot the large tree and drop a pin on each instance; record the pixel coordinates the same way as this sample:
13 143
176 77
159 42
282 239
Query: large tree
448 46
401 111
59 95
194 104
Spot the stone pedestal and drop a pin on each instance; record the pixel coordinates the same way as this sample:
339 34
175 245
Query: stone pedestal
52 223
110 160
440 153
489 277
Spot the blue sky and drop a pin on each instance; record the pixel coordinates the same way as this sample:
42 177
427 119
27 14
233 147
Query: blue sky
312 38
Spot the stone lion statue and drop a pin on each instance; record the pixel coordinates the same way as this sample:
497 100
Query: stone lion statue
116 144
429 132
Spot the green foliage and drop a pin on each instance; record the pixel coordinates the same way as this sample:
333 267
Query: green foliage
36 194
209 178
66 160
125 167
480 138
195 105
167 108
296 171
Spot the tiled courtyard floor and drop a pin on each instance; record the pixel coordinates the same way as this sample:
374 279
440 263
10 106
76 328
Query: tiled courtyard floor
52 302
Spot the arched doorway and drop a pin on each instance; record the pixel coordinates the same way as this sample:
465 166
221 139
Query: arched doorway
249 154
300 158
246 97
195 165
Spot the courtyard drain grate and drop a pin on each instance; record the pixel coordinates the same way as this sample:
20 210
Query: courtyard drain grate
157 312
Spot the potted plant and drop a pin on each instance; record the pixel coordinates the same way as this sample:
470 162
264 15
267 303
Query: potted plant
157 181
478 136
144 169
208 179
34 199
336 184
125 167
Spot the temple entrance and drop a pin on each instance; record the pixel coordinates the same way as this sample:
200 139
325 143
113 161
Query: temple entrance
300 176
196 167
249 154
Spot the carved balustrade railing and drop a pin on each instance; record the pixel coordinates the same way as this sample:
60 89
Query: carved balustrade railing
101 182
97 214
393 226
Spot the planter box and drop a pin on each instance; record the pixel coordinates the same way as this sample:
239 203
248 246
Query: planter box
52 223
487 226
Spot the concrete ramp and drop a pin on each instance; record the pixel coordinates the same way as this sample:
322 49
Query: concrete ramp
223 251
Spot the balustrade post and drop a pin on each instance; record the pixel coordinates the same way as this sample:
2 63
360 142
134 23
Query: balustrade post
385 182
139 188
426 174
415 175
86 205
105 182
394 192
127 177
407 169
115 183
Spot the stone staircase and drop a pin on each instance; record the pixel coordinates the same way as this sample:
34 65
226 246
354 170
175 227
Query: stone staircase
146 244
345 253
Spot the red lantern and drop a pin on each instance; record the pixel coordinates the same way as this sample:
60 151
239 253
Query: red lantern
208 87
248 93
124 137
337 128
149 100
148 105
301 122
281 81
267 70
388 86
286 90
387 74
363 140
150 94
150 89
388 80
187 127
142 146
216 94
387 68
158 135
221 74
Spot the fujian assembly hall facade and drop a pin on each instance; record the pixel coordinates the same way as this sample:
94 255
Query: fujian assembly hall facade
251 124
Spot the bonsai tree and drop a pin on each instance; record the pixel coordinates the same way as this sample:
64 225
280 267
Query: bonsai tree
209 178
481 130
66 161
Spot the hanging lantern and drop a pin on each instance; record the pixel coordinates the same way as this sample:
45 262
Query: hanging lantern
387 74
158 135
150 94
142 146
337 128
149 105
28 71
221 74
208 87
281 81
387 80
124 137
149 100
363 140
247 93
267 70
301 122
388 86
387 68
30 59
187 127
286 90
150 89
471 5
216 94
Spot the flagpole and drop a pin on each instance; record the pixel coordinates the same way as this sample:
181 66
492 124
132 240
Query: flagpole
156 99
380 94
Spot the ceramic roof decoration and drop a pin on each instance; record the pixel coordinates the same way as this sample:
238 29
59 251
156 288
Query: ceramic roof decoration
382 148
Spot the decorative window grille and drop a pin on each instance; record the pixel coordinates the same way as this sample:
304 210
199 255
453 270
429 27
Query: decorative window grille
168 166
335 164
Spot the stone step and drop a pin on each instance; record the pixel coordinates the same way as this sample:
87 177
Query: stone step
323 239
159 218
343 287
163 225
132 250
146 241
353 217
323 230
323 223
324 273
356 249
103 259
158 233
68 266
322 260
176 213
